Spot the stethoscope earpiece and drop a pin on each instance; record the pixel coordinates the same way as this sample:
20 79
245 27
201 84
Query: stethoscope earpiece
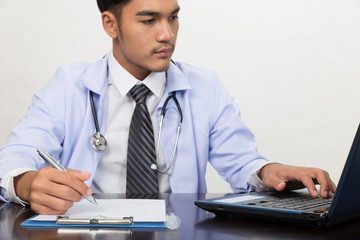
153 166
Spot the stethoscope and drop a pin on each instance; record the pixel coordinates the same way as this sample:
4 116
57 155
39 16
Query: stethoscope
98 141
162 116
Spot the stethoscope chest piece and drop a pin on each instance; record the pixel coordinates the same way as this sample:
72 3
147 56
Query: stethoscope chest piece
98 142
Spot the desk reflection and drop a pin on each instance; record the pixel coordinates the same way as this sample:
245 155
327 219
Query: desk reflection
11 215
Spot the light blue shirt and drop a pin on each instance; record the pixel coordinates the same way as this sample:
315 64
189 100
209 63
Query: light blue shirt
60 122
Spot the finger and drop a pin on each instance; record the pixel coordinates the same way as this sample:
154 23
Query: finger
280 185
270 177
56 190
72 180
308 182
275 182
299 178
46 204
283 174
66 184
83 176
326 185
329 184
53 191
333 187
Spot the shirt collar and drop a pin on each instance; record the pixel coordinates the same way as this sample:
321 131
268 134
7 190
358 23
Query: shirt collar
124 81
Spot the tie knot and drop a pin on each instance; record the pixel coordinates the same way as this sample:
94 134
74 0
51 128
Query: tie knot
139 93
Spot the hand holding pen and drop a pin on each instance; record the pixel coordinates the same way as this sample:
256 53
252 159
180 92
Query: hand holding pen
49 159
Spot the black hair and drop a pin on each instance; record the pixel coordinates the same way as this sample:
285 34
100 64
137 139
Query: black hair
108 5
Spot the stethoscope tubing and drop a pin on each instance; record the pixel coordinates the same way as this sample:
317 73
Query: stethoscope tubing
94 112
99 143
154 166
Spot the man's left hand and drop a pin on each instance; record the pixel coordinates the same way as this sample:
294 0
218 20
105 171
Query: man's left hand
285 177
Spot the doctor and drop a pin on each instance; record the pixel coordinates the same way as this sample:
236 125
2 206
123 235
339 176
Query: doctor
62 120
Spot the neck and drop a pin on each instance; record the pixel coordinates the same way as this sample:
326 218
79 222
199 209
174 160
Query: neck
137 71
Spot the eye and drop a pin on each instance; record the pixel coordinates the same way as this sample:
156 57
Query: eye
174 17
148 21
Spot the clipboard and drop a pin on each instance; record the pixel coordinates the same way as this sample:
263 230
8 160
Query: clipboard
90 223
110 213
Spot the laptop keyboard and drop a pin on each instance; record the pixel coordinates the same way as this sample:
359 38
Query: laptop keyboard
299 201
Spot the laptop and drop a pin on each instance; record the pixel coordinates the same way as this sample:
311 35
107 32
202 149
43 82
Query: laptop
297 207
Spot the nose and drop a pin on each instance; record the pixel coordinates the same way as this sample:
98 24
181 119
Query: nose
166 33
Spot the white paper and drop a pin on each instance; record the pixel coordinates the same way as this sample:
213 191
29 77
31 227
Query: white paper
142 210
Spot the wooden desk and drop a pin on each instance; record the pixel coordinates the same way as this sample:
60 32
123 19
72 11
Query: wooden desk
195 224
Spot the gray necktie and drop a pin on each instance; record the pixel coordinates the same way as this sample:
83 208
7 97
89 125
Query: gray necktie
141 149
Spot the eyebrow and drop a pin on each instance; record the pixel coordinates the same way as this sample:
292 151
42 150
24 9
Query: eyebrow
153 13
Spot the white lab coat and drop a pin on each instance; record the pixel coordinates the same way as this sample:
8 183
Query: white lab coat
60 122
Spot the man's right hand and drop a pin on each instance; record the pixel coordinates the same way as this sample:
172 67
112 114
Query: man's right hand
51 191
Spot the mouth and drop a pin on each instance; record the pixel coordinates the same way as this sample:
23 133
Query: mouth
164 51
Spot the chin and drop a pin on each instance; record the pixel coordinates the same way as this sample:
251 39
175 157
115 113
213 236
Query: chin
161 67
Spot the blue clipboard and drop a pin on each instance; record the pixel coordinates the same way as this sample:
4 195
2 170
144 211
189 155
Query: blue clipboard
52 224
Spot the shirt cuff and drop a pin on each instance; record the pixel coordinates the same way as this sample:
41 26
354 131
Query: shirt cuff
256 182
7 183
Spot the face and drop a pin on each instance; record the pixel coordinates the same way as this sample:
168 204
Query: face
146 36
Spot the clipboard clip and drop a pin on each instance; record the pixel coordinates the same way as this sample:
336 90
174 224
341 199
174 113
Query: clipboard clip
84 221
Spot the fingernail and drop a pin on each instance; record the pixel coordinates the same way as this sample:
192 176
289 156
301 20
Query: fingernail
315 192
325 193
88 192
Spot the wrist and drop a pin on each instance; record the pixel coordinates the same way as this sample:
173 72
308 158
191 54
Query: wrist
22 185
264 169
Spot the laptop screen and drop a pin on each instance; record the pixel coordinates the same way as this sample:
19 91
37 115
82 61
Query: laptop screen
347 197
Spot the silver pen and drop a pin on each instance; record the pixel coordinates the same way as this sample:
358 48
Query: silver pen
50 160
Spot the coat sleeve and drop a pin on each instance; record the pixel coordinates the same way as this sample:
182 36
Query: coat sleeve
41 128
232 146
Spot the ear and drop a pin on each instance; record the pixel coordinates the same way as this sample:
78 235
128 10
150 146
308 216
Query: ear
110 24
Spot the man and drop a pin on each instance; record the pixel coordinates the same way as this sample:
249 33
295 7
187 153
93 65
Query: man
61 121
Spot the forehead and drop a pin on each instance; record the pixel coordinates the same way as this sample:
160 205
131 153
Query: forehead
157 6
